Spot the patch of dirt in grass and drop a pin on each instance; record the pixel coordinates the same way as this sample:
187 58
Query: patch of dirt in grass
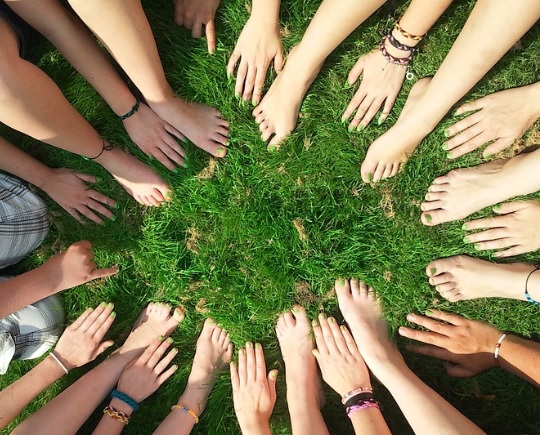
303 293
193 240
531 143
387 275
299 225
387 204
209 171
200 306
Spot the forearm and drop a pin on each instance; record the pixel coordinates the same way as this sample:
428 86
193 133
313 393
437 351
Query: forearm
22 165
77 402
266 11
369 421
421 15
521 357
109 425
424 409
255 429
534 97
16 396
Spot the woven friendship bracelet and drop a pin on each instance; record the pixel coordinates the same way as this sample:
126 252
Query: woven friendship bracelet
498 347
116 415
527 295
59 362
401 61
407 34
126 399
396 44
132 112
185 409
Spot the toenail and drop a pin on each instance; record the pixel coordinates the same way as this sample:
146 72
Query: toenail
369 176
272 148
433 270
428 217
219 325
211 322
341 282
488 155
236 95
445 146
466 240
429 313
295 309
220 151
477 246
169 340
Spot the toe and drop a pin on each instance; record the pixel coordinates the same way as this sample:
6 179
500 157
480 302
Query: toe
368 169
379 172
388 171
208 328
343 288
442 278
300 314
289 319
431 205
446 287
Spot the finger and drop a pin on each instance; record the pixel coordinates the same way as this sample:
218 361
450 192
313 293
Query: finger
75 215
464 124
428 323
242 366
463 137
196 32
278 60
319 339
388 106
510 252
211 36
251 363
447 317
494 244
372 110
165 361
499 145
97 196
423 336
241 78
349 340
235 56
102 348
484 236
259 83
97 206
469 146
471 107
250 82
103 273
357 99
432 351
339 340
478 224
93 315
80 320
86 178
261 364
235 379
458 371
104 327
158 353
328 337
356 70
89 214
100 320
166 375
272 379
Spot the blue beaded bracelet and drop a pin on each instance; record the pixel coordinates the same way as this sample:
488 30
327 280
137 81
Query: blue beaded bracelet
126 399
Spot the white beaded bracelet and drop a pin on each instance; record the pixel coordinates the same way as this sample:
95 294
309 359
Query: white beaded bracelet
59 362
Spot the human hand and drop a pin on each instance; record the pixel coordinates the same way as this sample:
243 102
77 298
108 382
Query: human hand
81 341
501 117
514 231
145 375
69 190
254 392
467 345
258 44
73 267
194 14
381 83
342 366
155 137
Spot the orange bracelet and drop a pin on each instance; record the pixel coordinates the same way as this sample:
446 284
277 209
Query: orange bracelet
116 415
185 409
407 34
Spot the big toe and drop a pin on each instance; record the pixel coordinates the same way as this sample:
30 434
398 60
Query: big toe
367 170
299 313
434 217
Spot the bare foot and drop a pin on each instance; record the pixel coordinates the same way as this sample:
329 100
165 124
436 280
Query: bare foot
154 321
461 277
140 181
277 113
293 331
514 231
462 192
387 154
341 364
214 351
362 311
202 125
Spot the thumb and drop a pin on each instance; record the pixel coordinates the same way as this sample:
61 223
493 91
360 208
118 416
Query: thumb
103 273
272 379
102 348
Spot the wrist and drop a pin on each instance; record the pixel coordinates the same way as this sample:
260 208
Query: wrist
265 12
53 368
121 406
253 424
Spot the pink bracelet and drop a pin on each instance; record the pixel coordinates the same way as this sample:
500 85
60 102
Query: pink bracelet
355 408
355 392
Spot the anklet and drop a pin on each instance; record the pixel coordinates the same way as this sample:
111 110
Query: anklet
185 409
116 415
527 295
132 112
126 399
106 147
498 347
407 34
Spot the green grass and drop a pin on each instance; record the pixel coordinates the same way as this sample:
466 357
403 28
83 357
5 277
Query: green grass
248 258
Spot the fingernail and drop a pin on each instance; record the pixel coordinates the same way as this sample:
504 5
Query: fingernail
241 351
429 313
402 331
446 133
115 206
488 155
249 344
351 128
433 270
175 171
228 75
322 316
274 374
169 340
381 119
185 164
110 305
444 146
347 84
477 246
237 96
220 151
99 179
103 304
254 103
369 176
360 127
410 316
211 51
464 226
315 322
428 217
257 345
161 338
89 309
466 240
113 218
497 207
174 351
113 314
344 120
343 327
330 320
174 367
272 148
449 155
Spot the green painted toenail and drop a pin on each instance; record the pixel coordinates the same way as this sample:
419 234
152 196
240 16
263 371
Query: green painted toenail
428 217
272 148
444 146
237 96
341 282
429 313
220 151
496 207
466 240
449 155
360 127
433 270
113 218
488 155
477 246
369 177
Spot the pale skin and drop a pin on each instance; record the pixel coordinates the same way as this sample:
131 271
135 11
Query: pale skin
275 119
459 72
124 29
463 192
254 390
195 15
213 353
86 394
32 104
468 346
424 409
501 117
66 187
154 136
343 368
305 397
461 278
381 80
258 45
73 267
80 343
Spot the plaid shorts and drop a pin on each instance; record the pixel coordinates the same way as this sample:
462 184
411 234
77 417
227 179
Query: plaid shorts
23 221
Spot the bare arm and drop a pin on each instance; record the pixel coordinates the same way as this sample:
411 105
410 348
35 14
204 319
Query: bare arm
521 357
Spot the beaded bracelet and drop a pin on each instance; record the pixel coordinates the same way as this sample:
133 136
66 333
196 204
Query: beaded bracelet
407 34
116 415
363 404
498 347
185 409
132 112
126 399
354 392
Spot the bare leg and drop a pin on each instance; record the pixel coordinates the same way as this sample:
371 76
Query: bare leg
493 27
124 29
31 102
304 392
278 111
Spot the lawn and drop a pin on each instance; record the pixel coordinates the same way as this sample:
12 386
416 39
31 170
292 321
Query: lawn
247 237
